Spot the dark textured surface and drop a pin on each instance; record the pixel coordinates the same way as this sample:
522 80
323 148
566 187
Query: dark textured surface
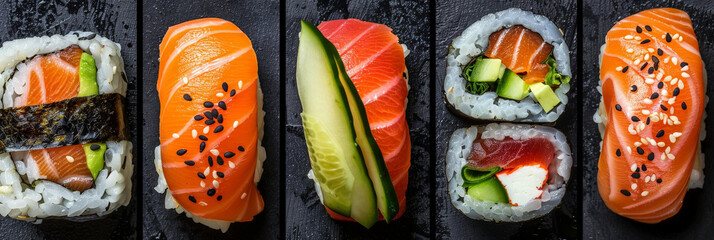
452 17
694 220
115 20
260 21
306 218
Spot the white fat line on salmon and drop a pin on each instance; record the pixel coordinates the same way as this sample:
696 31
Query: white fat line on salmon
540 48
371 58
202 24
516 48
336 29
382 90
194 39
349 45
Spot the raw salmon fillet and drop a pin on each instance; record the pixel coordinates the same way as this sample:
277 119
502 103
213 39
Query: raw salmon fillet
518 48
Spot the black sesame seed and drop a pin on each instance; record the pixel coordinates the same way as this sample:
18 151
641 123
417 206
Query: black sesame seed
208 114
660 85
209 122
219 118
654 96
219 198
650 70
202 146
190 163
618 107
220 174
204 138
625 192
635 175
649 29
240 148
211 192
635 119
633 88
222 105
684 106
181 152
219 160
660 133
218 129
198 117
214 112
644 168
660 52
208 104
655 59
200 175
94 147
643 66
624 70
192 199
187 97
210 161
645 41
233 92
663 107
647 122
675 92
659 180
668 37
683 64
649 157
638 29
225 87
640 151
228 154
656 66
637 170
618 153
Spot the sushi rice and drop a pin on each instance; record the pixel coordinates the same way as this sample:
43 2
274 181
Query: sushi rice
558 172
489 106
113 185
696 179
170 202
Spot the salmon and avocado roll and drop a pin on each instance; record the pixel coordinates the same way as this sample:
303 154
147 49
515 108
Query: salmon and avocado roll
507 172
651 115
64 144
511 65
211 123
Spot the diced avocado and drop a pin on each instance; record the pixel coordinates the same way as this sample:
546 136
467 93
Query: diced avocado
87 76
502 71
486 70
489 190
95 157
511 86
545 96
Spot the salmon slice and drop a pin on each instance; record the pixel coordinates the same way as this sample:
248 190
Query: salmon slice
208 84
518 48
55 77
509 153
374 60
653 112
537 73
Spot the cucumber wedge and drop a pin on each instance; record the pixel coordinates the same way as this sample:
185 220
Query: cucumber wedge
340 171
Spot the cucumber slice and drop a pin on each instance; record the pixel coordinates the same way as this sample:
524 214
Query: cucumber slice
486 70
323 97
511 86
473 176
87 76
95 157
489 190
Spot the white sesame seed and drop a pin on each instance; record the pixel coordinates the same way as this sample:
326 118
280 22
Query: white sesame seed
680 84
175 135
674 81
207 171
631 130
630 50
654 176
215 183
637 144
647 179
664 92
69 158
660 144
184 80
194 133
651 50
674 60
660 74
646 112
240 84
205 130
645 193
647 101
637 61
644 141
242 196
628 37
220 94
685 68
629 150
633 167
666 60
235 124
667 78
647 57
203 204
214 152
664 156
231 164
634 186
649 80
677 123
655 118
670 156
674 118
618 68
215 175
671 101
680 38
685 75
664 36
677 134
652 141
668 150
203 184
641 126
676 35
637 38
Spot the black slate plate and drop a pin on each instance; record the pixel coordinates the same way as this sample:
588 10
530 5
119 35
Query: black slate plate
115 20
259 20
694 221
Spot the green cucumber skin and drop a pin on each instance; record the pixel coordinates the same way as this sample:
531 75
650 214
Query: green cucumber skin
87 76
95 166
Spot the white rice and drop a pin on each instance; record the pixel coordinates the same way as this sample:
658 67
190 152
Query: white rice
170 203
474 42
112 187
696 179
558 172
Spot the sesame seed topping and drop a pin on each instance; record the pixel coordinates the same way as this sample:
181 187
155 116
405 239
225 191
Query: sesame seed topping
205 130
218 129
240 84
210 161
649 29
683 64
660 133
647 179
684 106
629 150
181 152
210 122
208 114
660 52
654 96
679 39
184 80
618 68
635 119
198 117
648 121
670 156
674 60
187 97
645 193
635 175
680 84
215 183
637 62
644 168
685 68
647 101
201 175
643 66
219 198
650 50
646 112
685 75
69 158
645 41
214 112
224 86
618 153
618 107
94 147
649 157
650 70
628 37
220 174
242 196
235 124
633 88
676 35
215 152
659 180
647 57
240 148
190 163
204 138
214 174
222 105
668 37
219 118
640 151
660 144
637 144
639 30
205 172
220 95
194 133
625 192
211 192
624 70
231 164
233 92
208 104
219 160
633 167
666 60
203 204
203 184
630 50
634 186
229 154
202 146
192 199
660 85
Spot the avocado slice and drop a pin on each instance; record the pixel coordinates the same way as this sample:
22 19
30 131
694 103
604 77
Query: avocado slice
486 70
87 76
512 86
545 96
489 190
95 157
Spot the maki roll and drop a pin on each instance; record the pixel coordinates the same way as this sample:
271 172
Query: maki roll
210 158
651 115
66 151
511 65
507 172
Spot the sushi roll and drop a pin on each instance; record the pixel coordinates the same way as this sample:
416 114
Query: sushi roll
651 115
352 87
512 65
507 172
66 152
211 123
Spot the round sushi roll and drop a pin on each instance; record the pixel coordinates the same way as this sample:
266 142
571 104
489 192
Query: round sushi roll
512 65
69 181
507 172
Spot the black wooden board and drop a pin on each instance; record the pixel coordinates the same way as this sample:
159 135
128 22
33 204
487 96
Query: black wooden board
694 221
305 217
260 21
115 20
452 17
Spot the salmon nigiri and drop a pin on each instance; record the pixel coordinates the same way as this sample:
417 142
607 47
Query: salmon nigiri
374 61
211 116
653 99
